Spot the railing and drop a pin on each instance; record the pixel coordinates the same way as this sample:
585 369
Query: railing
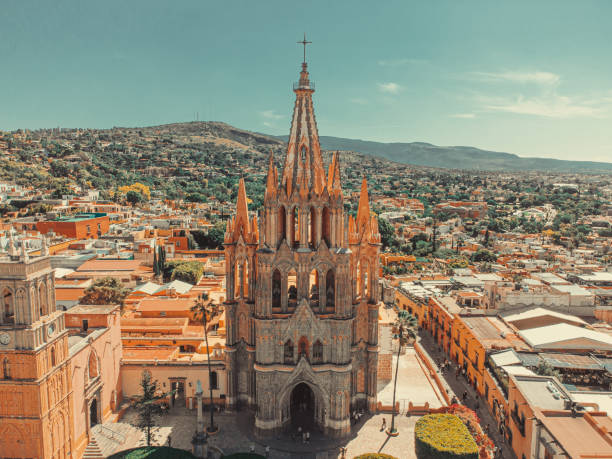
298 85
110 433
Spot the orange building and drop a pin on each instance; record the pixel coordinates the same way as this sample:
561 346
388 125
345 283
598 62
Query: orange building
545 422
79 226
36 399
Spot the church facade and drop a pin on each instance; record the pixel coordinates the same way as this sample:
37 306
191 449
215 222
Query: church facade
302 292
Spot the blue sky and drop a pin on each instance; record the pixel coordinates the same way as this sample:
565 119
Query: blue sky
527 77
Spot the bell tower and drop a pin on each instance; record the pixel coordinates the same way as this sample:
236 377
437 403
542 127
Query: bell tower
303 340
35 382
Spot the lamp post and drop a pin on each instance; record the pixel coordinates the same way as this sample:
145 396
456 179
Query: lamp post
405 327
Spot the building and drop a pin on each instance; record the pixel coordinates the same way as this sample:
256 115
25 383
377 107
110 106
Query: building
302 293
59 373
79 226
36 400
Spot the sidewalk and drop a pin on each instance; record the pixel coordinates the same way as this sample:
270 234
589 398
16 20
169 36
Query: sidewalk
457 386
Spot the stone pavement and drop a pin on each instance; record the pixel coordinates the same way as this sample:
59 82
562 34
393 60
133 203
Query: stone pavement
236 429
413 384
457 386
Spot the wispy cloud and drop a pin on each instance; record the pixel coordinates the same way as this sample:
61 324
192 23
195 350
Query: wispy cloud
389 88
358 100
399 62
542 78
549 106
268 124
463 115
271 115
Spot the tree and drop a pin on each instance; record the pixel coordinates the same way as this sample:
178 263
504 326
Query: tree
213 239
387 233
205 310
134 197
148 405
106 290
484 255
405 328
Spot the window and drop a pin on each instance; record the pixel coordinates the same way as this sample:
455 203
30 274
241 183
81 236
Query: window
8 308
52 357
6 369
303 347
317 352
313 289
292 288
330 289
276 289
325 230
88 229
178 243
288 352
282 222
214 380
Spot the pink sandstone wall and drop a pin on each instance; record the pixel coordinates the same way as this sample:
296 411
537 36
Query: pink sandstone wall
106 349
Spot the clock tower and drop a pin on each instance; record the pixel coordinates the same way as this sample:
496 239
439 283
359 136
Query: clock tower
35 383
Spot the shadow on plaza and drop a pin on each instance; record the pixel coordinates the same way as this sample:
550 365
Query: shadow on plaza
291 442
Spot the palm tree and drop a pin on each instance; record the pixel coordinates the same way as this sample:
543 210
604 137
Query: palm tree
404 328
205 310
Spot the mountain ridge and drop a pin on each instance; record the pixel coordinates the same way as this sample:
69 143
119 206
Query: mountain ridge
458 157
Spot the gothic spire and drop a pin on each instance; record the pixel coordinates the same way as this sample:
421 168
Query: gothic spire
242 210
363 213
303 161
272 179
333 176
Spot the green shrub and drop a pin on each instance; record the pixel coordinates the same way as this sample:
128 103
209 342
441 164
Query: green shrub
443 436
186 271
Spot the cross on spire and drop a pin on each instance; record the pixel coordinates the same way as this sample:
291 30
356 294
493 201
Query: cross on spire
304 42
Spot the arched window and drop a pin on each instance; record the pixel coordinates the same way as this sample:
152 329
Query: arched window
313 288
6 368
42 300
288 352
8 308
245 278
295 226
276 289
312 228
282 224
292 289
330 289
325 226
358 280
52 357
92 366
366 282
303 347
214 380
317 352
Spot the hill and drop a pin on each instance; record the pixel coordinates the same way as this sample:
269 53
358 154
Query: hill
458 157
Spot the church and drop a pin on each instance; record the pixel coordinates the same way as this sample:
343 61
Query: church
302 292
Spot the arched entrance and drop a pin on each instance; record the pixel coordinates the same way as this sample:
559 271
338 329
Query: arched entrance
303 407
93 413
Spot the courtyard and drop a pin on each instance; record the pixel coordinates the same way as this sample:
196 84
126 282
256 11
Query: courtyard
236 429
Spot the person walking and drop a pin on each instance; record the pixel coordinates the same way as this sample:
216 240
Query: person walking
384 424
267 451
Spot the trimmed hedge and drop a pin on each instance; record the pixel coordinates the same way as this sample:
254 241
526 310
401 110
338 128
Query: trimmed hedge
374 456
443 436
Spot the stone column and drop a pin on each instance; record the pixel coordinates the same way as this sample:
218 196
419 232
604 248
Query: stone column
199 441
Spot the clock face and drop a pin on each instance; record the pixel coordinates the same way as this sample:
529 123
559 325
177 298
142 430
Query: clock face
5 339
